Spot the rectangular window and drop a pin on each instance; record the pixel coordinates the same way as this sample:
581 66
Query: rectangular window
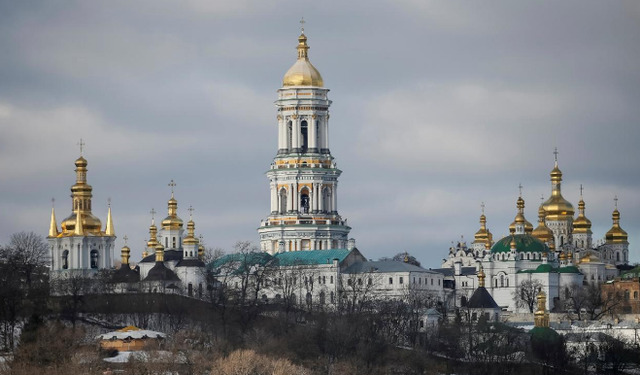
370 281
420 280
359 281
401 281
390 280
414 280
331 280
438 281
431 281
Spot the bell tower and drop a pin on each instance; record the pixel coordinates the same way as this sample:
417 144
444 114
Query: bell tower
303 175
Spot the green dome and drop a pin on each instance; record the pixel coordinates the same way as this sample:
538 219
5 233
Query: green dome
525 243
544 334
569 269
545 268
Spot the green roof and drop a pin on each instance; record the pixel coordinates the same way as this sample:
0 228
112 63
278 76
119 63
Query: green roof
630 274
543 268
239 261
544 334
293 258
525 243
569 269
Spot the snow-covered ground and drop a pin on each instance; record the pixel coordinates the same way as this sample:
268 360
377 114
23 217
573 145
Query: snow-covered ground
159 356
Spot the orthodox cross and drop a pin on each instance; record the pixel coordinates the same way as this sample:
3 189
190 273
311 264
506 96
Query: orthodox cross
482 206
520 189
615 199
302 22
81 144
109 202
125 238
191 209
581 190
172 184
153 213
53 202
200 237
555 153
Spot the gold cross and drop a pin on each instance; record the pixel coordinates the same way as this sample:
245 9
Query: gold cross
302 22
81 144
581 190
482 206
555 153
615 199
191 209
172 184
520 188
153 213
125 238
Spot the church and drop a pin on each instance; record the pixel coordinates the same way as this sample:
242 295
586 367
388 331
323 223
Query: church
557 253
304 232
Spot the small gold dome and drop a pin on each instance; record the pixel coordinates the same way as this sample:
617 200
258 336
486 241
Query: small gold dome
90 224
581 224
81 162
563 256
616 234
172 221
520 219
302 73
556 207
542 232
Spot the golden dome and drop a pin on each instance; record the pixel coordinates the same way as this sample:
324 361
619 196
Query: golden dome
483 235
81 162
90 224
520 219
563 256
172 221
589 258
616 234
481 277
302 73
542 232
581 224
190 239
556 207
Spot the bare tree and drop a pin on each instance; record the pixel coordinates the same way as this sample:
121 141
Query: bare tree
525 295
28 251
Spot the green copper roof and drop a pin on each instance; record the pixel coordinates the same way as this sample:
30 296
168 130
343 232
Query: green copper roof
293 258
238 263
630 274
569 269
544 334
543 268
524 243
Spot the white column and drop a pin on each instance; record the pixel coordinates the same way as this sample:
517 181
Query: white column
313 123
320 198
290 199
274 197
325 124
296 133
334 196
282 133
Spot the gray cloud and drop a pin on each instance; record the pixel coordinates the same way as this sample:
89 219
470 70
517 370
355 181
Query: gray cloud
438 105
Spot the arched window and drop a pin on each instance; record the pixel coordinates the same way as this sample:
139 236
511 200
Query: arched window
65 259
309 299
635 295
304 130
463 301
304 201
501 281
626 294
495 282
322 298
617 256
506 281
528 256
174 242
166 242
94 258
190 290
200 290
332 297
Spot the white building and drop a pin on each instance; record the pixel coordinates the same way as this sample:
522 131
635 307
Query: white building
303 175
81 245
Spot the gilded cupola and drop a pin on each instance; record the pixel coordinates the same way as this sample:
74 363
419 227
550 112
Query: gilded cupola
581 224
483 235
303 73
190 239
520 219
556 207
616 234
542 232
81 194
172 221
125 251
153 232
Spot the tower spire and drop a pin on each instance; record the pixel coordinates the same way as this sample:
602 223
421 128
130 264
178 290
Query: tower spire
109 230
53 226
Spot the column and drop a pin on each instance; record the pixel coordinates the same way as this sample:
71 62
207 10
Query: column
325 128
295 147
313 139
334 198
282 135
274 198
320 200
290 199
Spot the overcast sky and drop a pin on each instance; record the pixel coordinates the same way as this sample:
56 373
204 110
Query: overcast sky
437 106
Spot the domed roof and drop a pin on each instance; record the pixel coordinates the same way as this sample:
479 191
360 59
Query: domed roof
303 73
556 207
524 243
616 234
90 223
569 269
542 232
81 162
581 224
